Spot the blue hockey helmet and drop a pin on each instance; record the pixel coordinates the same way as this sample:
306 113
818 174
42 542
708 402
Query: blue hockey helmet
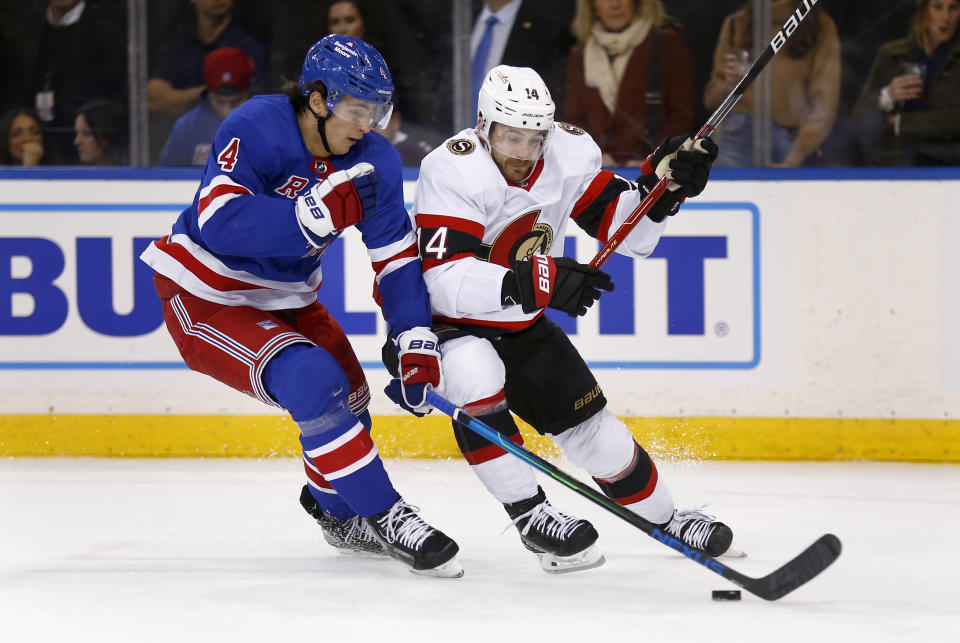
350 67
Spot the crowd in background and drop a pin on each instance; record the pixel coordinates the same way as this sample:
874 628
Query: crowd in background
861 83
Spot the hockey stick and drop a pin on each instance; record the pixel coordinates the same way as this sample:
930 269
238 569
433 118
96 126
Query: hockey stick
778 583
779 40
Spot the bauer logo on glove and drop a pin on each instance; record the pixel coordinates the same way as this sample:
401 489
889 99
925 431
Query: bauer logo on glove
419 369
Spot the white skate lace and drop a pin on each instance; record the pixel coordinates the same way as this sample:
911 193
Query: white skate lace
359 530
403 525
548 520
700 529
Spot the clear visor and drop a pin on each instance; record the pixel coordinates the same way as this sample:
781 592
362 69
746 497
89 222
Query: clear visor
517 142
363 113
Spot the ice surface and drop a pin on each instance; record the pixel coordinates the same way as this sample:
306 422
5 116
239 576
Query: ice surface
220 550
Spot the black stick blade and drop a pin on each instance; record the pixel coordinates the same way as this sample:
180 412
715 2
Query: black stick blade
810 562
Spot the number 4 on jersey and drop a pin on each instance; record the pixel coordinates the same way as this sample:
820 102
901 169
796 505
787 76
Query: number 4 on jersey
438 243
228 157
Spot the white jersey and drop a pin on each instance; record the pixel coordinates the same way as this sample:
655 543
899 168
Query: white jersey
473 224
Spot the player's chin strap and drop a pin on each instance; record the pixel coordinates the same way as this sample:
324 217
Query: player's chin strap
322 128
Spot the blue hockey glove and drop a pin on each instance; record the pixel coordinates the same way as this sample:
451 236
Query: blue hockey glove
394 391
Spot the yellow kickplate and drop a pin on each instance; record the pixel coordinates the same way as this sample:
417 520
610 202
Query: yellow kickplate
705 438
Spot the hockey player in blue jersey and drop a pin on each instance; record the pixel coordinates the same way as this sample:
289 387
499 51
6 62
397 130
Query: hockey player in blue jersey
238 276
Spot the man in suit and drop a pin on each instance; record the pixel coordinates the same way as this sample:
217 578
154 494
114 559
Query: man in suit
523 33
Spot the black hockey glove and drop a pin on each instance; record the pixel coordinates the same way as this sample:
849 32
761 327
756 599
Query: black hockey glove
687 164
559 283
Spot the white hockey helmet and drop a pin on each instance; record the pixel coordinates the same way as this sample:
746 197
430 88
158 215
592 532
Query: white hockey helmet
515 97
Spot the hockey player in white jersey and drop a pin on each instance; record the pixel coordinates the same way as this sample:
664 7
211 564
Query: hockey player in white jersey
492 206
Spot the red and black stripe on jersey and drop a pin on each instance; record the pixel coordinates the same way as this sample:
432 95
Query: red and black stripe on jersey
443 239
594 211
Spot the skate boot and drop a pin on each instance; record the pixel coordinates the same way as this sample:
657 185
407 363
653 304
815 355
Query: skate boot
702 532
351 536
562 542
408 538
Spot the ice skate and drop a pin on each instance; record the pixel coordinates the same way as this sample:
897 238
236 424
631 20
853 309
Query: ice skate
408 538
702 532
350 536
562 542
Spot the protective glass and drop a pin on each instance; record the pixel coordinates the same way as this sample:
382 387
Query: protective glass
519 143
363 113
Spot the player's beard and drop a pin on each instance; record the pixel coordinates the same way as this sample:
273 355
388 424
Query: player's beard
516 170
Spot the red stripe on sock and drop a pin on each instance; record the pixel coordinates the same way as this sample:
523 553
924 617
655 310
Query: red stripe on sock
316 478
492 452
644 493
346 454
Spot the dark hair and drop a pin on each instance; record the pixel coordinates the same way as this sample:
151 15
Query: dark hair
51 154
798 45
108 122
300 103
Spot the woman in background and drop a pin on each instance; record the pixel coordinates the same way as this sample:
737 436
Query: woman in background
101 134
22 141
344 17
909 110
629 78
804 86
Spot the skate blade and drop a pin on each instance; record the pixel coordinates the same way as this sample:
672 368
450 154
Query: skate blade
450 569
587 559
357 553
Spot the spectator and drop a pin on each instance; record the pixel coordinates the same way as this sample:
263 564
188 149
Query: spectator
805 86
345 18
699 24
22 141
177 79
629 78
294 29
522 33
62 54
227 72
909 107
101 134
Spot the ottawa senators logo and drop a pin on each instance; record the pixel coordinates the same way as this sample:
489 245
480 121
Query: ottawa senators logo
571 129
522 238
461 146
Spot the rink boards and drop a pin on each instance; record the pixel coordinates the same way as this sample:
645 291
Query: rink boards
808 318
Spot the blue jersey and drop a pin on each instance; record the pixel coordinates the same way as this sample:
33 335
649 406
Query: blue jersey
239 243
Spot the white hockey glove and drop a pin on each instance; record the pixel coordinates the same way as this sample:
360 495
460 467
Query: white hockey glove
338 202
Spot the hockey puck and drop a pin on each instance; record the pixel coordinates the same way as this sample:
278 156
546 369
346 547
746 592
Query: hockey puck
726 594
